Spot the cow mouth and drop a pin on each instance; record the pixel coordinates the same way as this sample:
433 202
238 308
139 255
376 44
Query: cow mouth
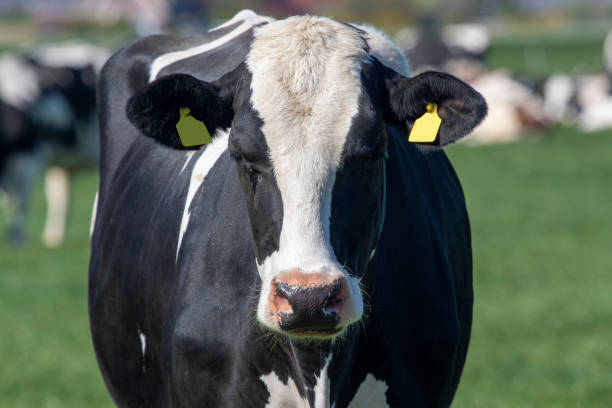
314 333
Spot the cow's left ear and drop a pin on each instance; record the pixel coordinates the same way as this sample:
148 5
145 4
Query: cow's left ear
459 106
155 109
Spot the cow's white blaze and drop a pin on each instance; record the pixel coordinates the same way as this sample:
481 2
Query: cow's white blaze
371 393
248 18
202 166
306 87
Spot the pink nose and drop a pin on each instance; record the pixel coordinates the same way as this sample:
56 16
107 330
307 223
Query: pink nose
307 304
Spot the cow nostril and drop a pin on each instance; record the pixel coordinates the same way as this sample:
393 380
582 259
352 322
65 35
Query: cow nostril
310 308
281 300
334 301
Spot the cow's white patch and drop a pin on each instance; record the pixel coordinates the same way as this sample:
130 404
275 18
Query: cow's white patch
242 15
57 189
94 212
321 388
385 50
200 169
143 342
18 81
371 393
248 18
281 394
287 395
607 52
306 86
76 54
187 160
474 38
143 347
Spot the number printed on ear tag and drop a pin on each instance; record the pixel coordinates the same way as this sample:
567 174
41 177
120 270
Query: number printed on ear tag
192 131
425 128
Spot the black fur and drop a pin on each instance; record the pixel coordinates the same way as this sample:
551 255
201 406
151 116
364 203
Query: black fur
155 110
460 107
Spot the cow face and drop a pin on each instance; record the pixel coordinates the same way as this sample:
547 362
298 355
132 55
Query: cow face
308 116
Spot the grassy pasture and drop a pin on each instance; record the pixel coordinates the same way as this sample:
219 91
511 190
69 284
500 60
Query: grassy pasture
542 334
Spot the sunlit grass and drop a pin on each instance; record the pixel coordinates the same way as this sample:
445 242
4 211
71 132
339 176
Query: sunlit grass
542 230
540 212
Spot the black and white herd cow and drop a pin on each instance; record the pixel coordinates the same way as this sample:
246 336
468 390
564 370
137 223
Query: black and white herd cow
47 122
310 256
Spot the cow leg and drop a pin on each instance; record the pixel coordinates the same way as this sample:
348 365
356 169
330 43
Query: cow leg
19 177
57 190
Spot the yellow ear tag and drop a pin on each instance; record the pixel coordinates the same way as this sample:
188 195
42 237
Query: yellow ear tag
191 131
425 128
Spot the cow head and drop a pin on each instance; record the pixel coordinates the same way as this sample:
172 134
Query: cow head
308 113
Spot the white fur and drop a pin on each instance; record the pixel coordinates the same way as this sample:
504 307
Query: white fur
371 393
143 342
607 51
94 212
558 91
596 116
57 189
205 162
250 19
143 347
73 54
242 15
504 96
18 81
385 50
321 388
287 395
306 87
281 394
188 156
474 38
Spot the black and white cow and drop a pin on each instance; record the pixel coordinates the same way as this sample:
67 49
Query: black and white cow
310 256
47 121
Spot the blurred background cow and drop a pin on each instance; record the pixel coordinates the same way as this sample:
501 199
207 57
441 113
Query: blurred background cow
48 123
536 175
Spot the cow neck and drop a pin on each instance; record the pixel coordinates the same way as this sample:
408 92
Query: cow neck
381 212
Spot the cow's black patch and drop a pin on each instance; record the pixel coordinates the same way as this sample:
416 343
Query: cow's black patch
459 105
155 110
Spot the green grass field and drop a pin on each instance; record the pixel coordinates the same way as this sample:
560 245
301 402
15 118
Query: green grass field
542 334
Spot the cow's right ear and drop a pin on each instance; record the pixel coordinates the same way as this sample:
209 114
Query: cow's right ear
155 109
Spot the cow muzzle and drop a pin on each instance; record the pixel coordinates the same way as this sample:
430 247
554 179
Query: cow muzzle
315 304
